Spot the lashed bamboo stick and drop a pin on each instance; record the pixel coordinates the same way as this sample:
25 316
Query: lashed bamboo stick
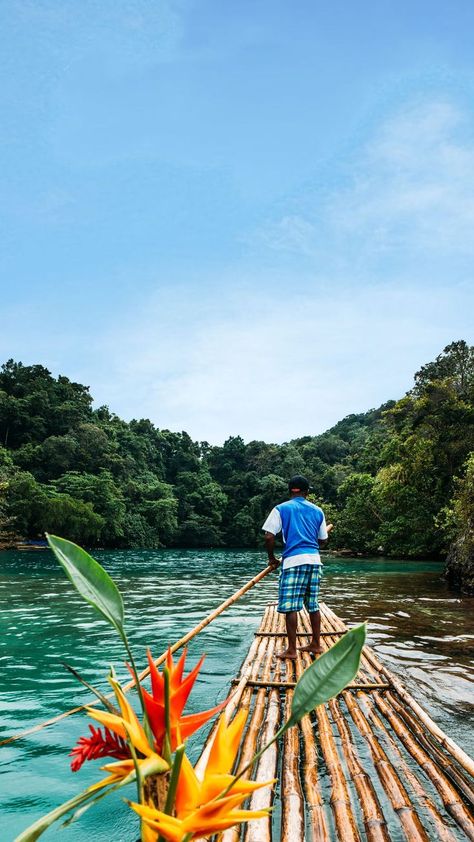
344 819
345 822
250 666
252 734
374 819
449 795
446 742
318 828
177 645
359 685
444 761
292 806
389 779
451 800
442 831
261 830
398 795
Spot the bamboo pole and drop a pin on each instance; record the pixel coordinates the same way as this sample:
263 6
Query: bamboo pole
374 819
398 795
250 743
370 685
389 779
177 645
443 761
261 829
447 792
314 801
345 822
450 798
250 666
292 804
466 762
442 831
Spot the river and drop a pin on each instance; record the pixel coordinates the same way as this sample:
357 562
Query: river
423 631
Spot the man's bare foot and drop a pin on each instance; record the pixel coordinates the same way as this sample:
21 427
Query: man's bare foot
315 649
289 654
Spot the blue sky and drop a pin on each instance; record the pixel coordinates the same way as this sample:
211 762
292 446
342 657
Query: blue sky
236 217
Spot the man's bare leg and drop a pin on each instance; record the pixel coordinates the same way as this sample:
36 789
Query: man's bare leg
291 623
314 645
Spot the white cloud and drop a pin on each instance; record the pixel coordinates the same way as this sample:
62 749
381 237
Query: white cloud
275 369
411 189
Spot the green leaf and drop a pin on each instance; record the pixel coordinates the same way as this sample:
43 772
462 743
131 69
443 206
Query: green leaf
90 580
328 675
108 706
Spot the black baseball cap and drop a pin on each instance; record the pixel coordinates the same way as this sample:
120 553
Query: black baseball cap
299 483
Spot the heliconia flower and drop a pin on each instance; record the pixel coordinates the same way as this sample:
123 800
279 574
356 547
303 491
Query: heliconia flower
98 745
198 808
181 726
127 727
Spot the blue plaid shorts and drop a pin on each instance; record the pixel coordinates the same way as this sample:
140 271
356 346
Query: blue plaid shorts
299 586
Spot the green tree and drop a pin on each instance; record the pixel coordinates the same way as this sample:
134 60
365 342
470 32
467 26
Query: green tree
105 497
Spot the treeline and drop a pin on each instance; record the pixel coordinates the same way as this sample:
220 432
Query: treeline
392 479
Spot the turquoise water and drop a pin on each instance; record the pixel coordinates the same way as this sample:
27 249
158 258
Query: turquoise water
422 630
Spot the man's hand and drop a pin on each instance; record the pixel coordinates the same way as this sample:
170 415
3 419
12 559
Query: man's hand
273 561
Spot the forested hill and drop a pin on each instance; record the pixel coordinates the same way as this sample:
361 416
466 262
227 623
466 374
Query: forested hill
391 479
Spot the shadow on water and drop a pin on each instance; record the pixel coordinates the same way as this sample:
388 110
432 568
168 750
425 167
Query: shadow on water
421 629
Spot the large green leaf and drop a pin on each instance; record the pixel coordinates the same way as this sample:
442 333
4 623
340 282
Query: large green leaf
90 580
328 675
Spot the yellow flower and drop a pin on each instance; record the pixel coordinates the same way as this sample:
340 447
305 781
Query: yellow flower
198 808
128 727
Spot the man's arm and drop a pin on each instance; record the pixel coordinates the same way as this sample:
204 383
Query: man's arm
270 545
323 541
272 527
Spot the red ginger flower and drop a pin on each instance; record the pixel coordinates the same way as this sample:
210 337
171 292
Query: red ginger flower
181 726
97 746
113 743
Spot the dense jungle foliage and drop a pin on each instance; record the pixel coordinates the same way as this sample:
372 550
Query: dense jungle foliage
393 480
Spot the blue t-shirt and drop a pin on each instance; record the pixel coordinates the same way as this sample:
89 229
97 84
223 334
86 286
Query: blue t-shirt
300 522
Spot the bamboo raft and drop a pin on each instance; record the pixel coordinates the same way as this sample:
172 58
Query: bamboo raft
369 765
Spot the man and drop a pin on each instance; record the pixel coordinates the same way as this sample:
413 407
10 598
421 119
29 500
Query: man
304 530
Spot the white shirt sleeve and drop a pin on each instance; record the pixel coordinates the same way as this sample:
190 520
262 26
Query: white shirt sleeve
273 522
323 532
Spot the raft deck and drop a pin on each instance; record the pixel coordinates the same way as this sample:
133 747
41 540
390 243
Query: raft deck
369 765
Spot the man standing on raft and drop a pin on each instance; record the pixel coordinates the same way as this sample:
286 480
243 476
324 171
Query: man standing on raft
304 530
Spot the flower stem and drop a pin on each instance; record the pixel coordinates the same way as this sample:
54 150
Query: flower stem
146 723
173 783
167 739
